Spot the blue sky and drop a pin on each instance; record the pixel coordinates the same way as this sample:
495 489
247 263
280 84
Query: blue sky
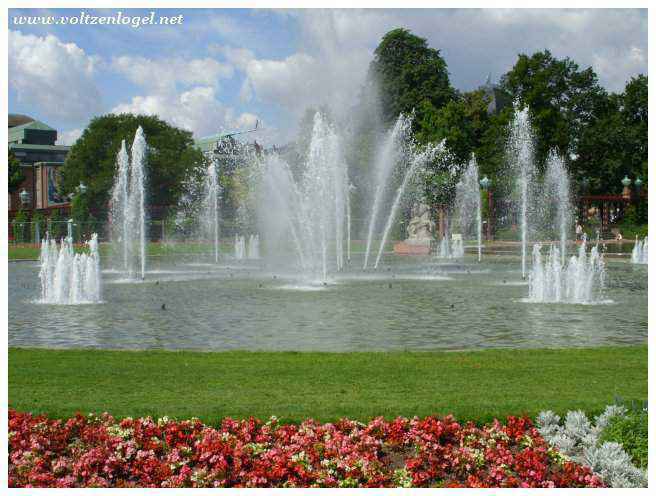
223 69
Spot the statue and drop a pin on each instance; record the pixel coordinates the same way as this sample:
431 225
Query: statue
421 224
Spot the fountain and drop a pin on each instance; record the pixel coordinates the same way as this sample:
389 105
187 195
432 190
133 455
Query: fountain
581 280
556 194
310 208
468 205
390 153
210 207
418 159
240 247
640 253
128 213
520 156
254 247
451 249
69 278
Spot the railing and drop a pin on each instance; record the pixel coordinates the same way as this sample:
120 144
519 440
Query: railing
31 233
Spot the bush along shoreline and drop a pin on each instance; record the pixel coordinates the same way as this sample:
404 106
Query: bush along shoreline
595 445
100 451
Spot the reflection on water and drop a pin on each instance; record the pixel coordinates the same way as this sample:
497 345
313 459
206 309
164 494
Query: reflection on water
406 305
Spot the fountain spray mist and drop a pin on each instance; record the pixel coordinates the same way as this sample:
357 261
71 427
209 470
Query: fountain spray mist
557 195
389 154
128 213
210 207
468 204
521 158
418 159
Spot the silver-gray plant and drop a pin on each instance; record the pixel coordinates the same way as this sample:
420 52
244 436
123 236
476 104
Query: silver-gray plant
578 439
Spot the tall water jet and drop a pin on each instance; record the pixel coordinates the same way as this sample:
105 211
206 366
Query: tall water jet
418 159
210 207
253 252
468 204
69 278
520 155
240 247
581 280
119 207
389 154
128 212
137 198
557 199
640 252
310 208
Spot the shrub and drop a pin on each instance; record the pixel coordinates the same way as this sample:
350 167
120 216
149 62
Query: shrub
631 432
578 439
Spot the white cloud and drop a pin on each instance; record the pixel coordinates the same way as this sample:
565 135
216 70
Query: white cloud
165 74
196 110
69 137
336 46
54 76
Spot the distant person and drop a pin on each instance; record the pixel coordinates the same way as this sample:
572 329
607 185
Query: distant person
579 231
619 236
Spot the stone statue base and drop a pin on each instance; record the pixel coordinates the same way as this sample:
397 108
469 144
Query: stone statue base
413 247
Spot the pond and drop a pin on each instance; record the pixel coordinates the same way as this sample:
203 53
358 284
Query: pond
412 303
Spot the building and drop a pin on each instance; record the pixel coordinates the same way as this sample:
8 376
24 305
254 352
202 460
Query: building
33 144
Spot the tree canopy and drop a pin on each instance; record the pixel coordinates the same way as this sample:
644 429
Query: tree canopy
16 176
92 159
410 76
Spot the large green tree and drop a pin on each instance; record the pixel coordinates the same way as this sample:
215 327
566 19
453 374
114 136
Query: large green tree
16 176
563 99
409 76
615 142
92 159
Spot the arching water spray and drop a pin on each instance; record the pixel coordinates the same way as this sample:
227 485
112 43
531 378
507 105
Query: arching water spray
418 159
389 154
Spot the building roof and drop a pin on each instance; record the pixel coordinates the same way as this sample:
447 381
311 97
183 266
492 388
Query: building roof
26 146
29 130
18 119
208 143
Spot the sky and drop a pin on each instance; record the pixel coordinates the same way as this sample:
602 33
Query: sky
221 70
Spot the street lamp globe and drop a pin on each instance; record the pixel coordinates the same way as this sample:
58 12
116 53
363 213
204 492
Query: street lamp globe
626 182
485 182
638 183
25 197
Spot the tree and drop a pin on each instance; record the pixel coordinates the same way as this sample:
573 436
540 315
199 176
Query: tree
92 159
16 176
563 99
410 76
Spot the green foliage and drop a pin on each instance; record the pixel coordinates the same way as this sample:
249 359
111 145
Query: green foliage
631 431
20 227
410 76
92 159
562 99
38 220
80 207
56 224
16 176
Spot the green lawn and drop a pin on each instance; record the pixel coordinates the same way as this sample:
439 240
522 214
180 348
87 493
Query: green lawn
31 251
476 385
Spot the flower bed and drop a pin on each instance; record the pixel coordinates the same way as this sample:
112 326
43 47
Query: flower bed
101 451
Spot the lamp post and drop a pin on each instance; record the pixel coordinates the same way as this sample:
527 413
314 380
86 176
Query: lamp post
485 184
638 184
626 191
25 197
